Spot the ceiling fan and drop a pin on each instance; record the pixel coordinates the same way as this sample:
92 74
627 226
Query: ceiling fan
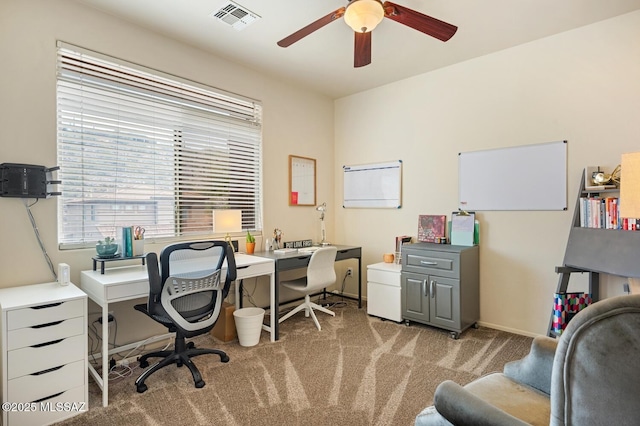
364 15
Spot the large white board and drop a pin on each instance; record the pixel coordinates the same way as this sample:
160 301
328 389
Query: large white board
373 185
528 177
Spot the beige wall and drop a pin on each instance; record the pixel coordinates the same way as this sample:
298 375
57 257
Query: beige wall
581 86
296 121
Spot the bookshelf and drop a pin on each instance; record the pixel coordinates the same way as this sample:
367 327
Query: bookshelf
597 251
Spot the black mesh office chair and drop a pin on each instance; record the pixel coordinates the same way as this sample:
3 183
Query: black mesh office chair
186 296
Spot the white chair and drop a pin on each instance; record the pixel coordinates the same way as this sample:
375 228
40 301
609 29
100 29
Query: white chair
320 274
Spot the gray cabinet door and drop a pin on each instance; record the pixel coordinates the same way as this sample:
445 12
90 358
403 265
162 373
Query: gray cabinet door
415 297
444 302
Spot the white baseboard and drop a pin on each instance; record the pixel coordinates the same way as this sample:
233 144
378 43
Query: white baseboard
507 329
481 323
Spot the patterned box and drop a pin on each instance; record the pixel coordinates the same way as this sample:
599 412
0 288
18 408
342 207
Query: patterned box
565 306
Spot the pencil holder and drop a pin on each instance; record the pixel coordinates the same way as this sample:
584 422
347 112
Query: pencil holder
138 247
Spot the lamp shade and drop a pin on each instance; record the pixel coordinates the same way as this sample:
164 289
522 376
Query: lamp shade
225 221
363 15
630 185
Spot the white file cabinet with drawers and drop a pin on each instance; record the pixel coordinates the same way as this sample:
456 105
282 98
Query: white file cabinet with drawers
383 291
43 331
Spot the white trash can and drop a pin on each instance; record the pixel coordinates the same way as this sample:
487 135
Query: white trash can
248 325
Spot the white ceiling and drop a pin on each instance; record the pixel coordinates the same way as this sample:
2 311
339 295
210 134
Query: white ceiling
323 61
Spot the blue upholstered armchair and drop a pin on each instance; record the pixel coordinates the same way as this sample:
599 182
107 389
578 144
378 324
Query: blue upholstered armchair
589 376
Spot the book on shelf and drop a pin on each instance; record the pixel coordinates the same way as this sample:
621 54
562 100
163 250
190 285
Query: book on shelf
629 224
431 227
604 213
127 238
402 240
598 187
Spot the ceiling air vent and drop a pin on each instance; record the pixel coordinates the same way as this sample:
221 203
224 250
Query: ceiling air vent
239 17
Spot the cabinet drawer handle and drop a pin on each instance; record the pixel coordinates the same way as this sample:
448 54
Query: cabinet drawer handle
425 262
51 305
431 288
53 342
49 370
424 288
49 324
48 397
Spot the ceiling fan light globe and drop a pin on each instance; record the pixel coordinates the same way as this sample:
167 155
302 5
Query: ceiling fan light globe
364 15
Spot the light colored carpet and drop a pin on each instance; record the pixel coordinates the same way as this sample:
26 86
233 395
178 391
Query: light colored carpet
359 370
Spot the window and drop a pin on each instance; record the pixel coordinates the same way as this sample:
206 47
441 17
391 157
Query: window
138 147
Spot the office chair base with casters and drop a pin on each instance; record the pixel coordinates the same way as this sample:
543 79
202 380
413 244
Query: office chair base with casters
181 355
308 307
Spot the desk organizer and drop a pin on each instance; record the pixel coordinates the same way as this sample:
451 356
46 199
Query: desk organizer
102 260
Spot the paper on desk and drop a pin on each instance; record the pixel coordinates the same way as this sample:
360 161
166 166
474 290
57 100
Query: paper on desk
285 250
308 249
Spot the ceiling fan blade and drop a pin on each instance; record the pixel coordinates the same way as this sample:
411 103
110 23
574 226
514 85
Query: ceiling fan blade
316 25
362 51
416 20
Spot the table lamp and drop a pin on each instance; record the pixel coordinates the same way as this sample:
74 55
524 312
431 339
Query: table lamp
226 221
323 231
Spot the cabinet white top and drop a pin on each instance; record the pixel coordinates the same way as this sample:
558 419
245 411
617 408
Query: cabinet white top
38 294
382 266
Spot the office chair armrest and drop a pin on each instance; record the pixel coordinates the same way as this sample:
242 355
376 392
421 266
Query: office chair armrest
155 282
461 407
535 368
231 264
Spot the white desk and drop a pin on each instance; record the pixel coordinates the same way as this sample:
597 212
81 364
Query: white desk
132 282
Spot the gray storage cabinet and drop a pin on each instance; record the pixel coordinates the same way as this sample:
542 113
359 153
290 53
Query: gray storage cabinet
440 286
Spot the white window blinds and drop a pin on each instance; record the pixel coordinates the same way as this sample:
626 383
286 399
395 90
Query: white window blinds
137 147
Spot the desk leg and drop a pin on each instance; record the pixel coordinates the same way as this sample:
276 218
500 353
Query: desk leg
273 322
275 306
105 355
359 282
237 293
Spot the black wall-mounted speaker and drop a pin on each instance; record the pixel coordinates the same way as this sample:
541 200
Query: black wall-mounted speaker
25 180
